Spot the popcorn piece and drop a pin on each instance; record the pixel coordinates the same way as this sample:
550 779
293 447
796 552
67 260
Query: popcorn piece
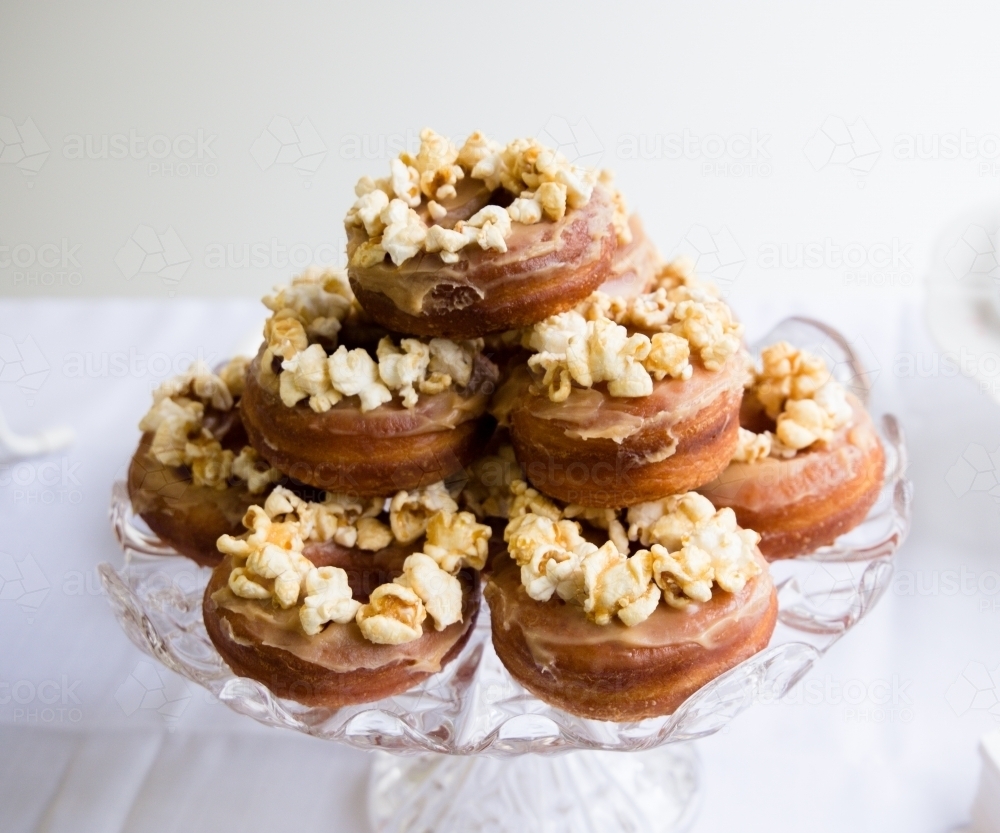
210 464
401 369
251 467
483 158
234 374
551 197
437 212
668 356
710 329
404 233
440 592
668 521
493 223
197 382
454 359
526 210
531 500
651 311
319 299
373 535
410 512
285 337
172 421
392 616
716 550
802 423
788 373
751 447
798 391
272 551
245 587
436 163
328 599
368 254
454 540
354 373
405 183
619 586
306 374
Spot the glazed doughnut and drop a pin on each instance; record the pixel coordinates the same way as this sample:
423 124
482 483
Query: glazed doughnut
339 667
347 421
800 499
325 603
601 446
189 501
614 670
462 243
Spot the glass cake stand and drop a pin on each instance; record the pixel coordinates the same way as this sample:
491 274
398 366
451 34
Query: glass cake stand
470 749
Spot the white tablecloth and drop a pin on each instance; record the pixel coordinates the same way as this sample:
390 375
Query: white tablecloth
95 736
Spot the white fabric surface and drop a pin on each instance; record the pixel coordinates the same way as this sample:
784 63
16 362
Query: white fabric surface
82 750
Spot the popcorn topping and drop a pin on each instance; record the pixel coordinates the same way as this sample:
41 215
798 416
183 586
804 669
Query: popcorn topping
176 421
543 182
801 395
268 562
593 344
393 615
312 307
691 545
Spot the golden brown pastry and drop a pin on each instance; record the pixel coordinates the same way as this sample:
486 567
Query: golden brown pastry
809 464
462 242
625 400
193 475
610 637
337 406
341 602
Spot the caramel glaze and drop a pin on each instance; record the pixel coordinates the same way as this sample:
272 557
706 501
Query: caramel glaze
338 667
806 502
375 453
548 267
613 672
187 517
602 451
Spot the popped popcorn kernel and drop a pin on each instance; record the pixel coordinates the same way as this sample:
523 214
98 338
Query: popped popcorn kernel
328 599
394 615
751 447
410 512
797 390
439 590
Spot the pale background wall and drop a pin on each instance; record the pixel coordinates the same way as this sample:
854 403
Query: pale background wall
750 85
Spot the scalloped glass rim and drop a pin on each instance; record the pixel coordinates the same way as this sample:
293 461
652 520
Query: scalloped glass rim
473 706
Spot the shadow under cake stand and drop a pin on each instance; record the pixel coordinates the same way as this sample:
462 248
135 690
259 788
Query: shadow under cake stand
472 750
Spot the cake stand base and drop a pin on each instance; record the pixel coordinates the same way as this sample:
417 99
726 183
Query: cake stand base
578 791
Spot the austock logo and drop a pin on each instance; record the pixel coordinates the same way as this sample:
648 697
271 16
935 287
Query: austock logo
282 143
148 253
838 143
23 583
22 145
716 255
976 689
146 691
22 364
577 142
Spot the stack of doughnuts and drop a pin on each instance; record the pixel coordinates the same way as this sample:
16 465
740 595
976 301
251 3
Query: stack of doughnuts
506 379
